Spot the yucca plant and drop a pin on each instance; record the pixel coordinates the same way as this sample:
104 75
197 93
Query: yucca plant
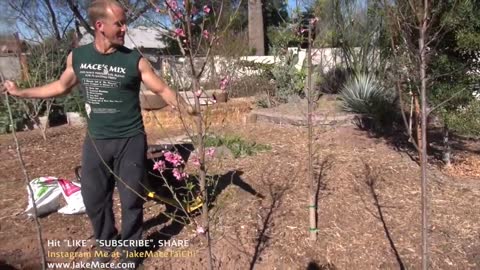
360 93
363 94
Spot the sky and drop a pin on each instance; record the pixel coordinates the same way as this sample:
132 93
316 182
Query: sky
293 3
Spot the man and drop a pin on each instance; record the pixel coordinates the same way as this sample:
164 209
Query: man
109 75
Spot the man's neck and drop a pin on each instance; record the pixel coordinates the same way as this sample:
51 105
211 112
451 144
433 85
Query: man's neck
103 46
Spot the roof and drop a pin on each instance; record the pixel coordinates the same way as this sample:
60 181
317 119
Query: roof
9 45
140 37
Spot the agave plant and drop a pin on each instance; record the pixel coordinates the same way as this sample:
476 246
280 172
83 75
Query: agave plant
363 94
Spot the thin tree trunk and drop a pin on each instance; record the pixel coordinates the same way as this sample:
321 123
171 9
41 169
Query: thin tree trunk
43 127
27 182
410 120
201 144
423 161
418 122
446 147
312 207
22 58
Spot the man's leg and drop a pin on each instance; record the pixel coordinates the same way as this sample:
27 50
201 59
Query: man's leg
130 164
97 187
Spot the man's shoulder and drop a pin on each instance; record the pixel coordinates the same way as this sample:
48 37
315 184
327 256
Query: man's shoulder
128 51
82 48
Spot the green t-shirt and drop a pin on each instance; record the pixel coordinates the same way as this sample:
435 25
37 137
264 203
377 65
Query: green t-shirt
110 84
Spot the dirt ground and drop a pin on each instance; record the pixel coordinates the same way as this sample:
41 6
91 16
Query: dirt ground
368 192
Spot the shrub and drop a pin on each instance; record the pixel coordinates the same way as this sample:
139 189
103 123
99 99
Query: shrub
73 102
251 85
466 120
332 81
17 114
264 101
289 82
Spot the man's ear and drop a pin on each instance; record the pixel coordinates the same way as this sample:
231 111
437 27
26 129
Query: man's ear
99 26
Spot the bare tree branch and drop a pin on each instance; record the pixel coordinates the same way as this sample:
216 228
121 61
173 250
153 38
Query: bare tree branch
137 13
53 17
445 101
25 18
80 18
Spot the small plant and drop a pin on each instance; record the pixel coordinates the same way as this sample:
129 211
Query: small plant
17 114
236 144
289 81
263 101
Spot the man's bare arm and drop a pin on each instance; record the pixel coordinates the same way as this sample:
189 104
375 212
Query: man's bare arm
57 88
159 87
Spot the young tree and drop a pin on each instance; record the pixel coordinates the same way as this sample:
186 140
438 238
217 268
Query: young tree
416 30
195 27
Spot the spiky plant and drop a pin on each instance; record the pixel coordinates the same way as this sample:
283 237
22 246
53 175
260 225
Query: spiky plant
363 94
360 93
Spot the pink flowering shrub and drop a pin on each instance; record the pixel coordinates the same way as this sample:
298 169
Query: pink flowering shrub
174 162
224 83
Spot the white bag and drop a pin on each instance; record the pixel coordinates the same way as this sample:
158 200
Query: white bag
46 193
73 195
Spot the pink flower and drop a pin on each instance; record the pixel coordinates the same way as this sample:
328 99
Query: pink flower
157 10
159 165
210 151
172 4
195 161
200 230
206 35
206 9
179 32
173 158
223 83
179 175
177 15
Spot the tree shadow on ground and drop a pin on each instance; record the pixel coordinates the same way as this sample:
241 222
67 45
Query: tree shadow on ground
320 172
371 179
315 266
5 266
276 191
397 137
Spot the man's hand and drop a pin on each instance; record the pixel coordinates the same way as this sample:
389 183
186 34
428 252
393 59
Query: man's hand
62 86
191 111
11 88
